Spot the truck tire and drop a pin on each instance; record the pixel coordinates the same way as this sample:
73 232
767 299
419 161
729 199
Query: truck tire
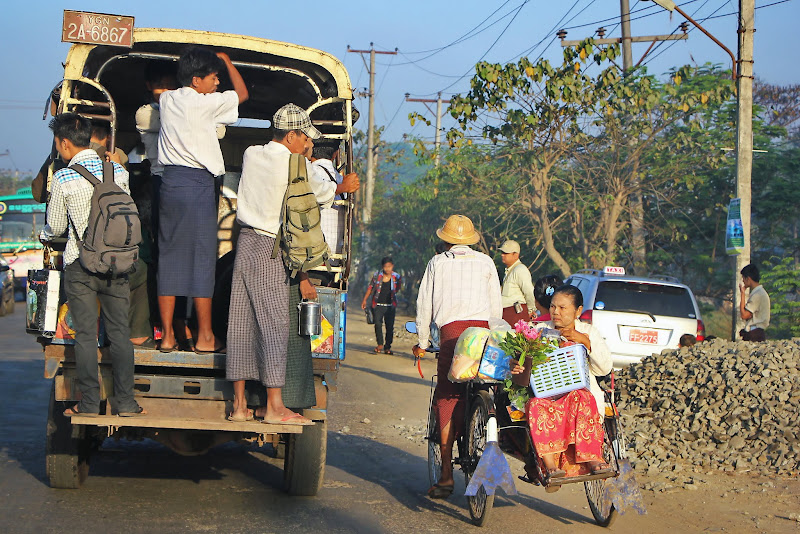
10 308
304 465
67 448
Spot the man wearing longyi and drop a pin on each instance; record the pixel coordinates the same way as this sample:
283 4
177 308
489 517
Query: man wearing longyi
460 288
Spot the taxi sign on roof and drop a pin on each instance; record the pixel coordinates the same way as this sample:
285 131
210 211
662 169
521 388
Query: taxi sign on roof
97 28
610 269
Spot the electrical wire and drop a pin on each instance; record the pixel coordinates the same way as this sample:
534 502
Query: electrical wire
519 10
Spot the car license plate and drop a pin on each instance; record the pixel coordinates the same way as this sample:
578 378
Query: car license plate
637 335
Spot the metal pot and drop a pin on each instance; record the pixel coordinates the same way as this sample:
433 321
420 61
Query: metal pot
309 318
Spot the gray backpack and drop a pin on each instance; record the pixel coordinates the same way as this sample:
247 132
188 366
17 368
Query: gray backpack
110 244
300 236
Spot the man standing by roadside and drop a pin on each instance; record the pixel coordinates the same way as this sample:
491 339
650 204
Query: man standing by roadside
518 299
460 289
755 309
68 207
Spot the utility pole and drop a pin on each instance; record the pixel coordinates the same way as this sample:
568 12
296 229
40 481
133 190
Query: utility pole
369 190
744 141
437 139
625 22
638 234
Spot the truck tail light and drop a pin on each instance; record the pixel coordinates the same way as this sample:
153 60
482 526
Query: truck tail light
701 330
586 317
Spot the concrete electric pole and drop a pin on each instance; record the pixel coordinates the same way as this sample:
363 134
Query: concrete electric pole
437 139
366 214
744 140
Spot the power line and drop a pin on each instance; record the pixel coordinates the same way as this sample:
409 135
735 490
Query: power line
465 36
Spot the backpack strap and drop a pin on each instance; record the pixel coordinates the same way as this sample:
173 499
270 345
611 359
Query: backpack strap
279 236
91 178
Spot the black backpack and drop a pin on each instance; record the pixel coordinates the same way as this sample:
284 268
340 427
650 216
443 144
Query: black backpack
110 244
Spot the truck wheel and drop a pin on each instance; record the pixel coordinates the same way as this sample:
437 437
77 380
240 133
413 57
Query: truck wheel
10 308
67 448
304 466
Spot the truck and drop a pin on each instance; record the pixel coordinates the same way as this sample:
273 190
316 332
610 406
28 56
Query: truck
185 393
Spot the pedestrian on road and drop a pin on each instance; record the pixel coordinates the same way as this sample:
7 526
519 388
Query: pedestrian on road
460 289
69 207
383 287
518 299
755 308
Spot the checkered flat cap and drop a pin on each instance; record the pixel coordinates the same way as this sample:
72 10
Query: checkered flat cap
292 117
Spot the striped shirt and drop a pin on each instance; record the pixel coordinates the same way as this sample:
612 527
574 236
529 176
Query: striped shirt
71 199
458 285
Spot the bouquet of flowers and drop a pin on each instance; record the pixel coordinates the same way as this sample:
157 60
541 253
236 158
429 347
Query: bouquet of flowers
524 343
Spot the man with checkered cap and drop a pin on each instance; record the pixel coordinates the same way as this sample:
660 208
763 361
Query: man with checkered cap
258 327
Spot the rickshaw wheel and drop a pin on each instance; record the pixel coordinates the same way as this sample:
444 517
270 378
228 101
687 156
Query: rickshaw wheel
599 501
481 504
434 449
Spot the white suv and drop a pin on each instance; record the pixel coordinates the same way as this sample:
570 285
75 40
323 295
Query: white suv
637 316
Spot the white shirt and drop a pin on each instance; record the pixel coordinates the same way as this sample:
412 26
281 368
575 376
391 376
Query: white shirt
71 199
189 120
460 284
148 124
758 304
332 216
265 177
600 363
518 286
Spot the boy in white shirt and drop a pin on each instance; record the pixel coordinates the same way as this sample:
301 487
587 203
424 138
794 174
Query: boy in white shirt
189 150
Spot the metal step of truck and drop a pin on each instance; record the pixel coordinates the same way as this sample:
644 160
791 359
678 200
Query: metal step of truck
146 421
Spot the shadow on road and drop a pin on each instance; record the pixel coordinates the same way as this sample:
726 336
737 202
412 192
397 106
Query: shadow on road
393 377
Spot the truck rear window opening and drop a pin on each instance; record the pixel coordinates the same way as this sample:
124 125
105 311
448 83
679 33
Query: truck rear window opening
663 300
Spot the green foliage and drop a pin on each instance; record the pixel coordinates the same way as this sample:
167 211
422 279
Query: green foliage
781 279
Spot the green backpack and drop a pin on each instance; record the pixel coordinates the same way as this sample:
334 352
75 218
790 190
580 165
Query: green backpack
300 236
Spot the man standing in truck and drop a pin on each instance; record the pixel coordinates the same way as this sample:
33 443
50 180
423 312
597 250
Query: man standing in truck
69 206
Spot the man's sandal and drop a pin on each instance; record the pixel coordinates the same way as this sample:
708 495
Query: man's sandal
73 410
438 491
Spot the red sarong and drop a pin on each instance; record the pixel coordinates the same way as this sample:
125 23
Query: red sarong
448 397
569 427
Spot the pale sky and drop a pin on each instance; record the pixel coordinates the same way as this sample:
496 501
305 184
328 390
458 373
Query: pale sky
30 36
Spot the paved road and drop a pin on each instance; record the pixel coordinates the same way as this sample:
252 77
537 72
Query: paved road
375 478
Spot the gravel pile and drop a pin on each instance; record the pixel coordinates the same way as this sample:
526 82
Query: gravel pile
717 405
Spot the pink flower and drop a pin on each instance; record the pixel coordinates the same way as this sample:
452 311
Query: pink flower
521 326
531 333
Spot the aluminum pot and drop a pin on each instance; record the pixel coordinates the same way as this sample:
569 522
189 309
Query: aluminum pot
309 318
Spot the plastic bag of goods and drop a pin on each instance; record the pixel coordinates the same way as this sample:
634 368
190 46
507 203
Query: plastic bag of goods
468 353
495 364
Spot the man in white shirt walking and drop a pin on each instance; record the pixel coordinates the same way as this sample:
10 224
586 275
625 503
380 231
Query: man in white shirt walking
460 289
755 308
518 298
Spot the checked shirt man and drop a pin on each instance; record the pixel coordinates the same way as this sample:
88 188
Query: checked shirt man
68 208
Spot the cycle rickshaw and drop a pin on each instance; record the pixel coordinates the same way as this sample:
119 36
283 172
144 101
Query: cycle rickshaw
484 399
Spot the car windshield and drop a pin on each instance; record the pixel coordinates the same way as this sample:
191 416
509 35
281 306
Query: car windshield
656 299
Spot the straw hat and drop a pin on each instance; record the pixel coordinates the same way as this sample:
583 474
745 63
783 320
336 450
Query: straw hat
458 230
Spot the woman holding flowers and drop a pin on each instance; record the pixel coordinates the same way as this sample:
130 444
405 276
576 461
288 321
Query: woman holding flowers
567 430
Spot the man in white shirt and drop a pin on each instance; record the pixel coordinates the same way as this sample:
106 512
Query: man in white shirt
258 328
332 216
518 298
460 289
755 309
68 209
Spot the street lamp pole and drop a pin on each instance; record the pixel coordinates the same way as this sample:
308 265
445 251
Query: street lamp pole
743 75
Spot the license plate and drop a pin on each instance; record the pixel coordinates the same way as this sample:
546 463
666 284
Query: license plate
649 337
97 28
